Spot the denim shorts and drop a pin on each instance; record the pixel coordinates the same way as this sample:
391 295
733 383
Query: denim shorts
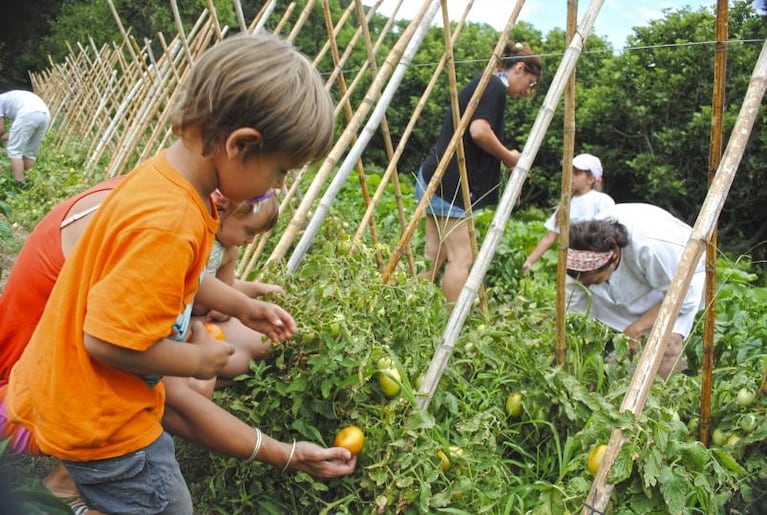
147 481
26 134
437 205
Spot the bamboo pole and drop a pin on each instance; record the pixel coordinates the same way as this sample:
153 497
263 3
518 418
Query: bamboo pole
285 17
459 150
240 16
385 132
346 106
121 28
180 29
509 198
214 15
715 153
646 369
714 156
260 20
307 10
563 213
420 26
339 25
391 168
299 218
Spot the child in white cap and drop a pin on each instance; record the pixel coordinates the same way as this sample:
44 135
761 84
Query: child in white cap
587 200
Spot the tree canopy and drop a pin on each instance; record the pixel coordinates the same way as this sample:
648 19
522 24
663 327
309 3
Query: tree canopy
646 110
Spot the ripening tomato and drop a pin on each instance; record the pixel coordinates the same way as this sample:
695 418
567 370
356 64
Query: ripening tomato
215 331
351 438
514 405
388 377
596 455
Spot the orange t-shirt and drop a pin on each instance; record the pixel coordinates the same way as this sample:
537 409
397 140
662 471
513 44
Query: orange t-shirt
128 281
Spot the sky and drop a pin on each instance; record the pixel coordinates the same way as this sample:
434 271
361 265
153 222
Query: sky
614 21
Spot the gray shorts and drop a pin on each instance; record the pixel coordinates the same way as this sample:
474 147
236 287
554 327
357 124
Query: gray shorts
26 134
147 481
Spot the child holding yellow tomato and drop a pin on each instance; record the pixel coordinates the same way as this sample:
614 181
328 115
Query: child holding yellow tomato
87 386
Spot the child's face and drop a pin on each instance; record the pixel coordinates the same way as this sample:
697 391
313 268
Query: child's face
238 230
583 181
240 180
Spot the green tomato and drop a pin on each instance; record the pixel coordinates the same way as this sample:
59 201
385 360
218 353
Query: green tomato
745 397
514 405
748 422
390 380
719 437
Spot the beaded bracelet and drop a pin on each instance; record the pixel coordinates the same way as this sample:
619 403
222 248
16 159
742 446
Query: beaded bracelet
290 456
259 442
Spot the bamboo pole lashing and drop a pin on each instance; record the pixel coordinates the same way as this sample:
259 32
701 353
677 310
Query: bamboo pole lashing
649 361
341 22
298 220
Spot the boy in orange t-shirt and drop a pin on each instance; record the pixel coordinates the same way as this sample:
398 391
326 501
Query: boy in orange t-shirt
87 383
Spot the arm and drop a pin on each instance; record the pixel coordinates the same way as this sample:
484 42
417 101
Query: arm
264 317
545 244
3 135
482 133
200 421
202 359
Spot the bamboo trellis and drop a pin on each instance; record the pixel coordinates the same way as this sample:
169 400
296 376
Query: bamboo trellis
643 377
507 201
123 94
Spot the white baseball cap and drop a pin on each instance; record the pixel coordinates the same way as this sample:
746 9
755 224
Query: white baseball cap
589 163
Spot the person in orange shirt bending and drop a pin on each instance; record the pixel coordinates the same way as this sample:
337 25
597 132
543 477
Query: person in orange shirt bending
87 385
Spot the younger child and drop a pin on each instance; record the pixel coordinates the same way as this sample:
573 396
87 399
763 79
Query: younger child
87 384
585 203
238 227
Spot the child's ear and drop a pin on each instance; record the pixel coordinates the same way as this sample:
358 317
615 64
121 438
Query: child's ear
239 140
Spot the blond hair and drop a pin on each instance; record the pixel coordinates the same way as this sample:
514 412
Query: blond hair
262 82
514 53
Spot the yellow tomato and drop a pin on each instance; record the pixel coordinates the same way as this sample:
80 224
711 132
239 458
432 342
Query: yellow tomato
350 437
444 461
215 331
596 455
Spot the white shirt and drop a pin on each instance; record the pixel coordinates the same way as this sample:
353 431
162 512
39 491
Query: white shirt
19 102
648 264
583 207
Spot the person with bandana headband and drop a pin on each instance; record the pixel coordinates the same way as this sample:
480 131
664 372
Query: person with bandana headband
622 263
447 235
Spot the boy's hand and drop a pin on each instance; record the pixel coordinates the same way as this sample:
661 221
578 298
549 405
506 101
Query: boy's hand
214 354
268 319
